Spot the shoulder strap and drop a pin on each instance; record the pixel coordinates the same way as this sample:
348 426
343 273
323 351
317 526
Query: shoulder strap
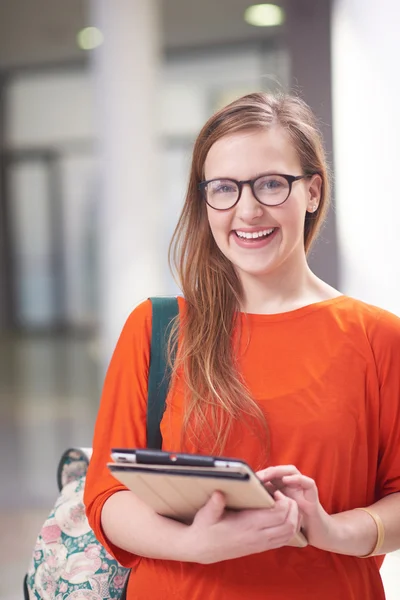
164 310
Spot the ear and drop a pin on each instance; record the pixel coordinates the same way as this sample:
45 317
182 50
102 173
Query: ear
314 193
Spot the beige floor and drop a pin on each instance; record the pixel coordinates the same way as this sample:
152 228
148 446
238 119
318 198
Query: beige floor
48 400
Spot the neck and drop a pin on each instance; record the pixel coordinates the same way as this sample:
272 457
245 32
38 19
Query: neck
287 288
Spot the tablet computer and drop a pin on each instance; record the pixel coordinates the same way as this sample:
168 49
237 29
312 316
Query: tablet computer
177 485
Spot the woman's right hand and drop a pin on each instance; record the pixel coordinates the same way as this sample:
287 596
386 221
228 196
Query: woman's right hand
217 534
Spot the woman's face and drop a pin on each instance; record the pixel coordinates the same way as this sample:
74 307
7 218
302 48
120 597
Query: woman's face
244 156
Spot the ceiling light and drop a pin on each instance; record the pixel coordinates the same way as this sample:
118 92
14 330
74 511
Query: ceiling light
264 15
89 38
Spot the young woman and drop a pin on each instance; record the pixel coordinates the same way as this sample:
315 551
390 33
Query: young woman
275 367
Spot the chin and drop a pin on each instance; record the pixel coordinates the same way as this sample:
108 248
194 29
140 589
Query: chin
254 270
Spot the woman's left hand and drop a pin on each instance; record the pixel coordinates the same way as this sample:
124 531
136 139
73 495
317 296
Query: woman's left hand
319 527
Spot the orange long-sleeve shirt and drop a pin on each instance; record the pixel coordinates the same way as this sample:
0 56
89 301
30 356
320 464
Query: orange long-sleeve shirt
328 379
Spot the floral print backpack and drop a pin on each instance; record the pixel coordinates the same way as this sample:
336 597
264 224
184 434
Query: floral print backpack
68 563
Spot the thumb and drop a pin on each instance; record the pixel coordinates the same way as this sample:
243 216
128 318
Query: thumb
213 510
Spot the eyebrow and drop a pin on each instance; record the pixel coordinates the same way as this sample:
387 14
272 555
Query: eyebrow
255 176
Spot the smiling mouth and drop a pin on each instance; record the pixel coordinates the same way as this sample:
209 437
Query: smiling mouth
255 235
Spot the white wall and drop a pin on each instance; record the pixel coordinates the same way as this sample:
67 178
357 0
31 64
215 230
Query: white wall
366 49
55 109
78 182
50 107
32 256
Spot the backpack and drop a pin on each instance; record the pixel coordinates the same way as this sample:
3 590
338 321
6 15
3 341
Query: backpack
68 563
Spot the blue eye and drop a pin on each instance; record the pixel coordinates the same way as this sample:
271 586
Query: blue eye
222 187
271 184
225 189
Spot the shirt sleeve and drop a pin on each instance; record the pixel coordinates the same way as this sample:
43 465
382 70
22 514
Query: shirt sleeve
121 419
386 346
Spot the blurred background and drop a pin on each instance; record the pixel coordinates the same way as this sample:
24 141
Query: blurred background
100 102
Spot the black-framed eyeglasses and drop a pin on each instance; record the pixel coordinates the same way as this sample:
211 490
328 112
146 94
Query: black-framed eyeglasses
271 190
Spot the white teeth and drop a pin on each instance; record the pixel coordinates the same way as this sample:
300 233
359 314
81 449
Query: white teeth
255 234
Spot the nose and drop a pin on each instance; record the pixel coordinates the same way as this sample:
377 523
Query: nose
248 208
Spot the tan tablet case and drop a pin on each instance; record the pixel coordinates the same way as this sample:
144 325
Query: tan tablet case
179 492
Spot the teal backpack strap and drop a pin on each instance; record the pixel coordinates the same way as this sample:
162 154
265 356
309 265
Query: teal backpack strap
164 310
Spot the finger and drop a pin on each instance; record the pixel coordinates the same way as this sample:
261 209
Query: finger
271 473
279 497
299 520
277 483
213 510
282 540
293 516
302 480
289 526
283 499
270 487
284 503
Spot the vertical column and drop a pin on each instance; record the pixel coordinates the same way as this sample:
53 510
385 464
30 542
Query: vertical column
5 282
366 47
126 68
308 38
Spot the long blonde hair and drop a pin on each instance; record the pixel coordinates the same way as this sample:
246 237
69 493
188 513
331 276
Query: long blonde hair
216 395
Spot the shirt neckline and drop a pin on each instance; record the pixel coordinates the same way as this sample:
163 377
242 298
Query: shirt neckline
295 313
